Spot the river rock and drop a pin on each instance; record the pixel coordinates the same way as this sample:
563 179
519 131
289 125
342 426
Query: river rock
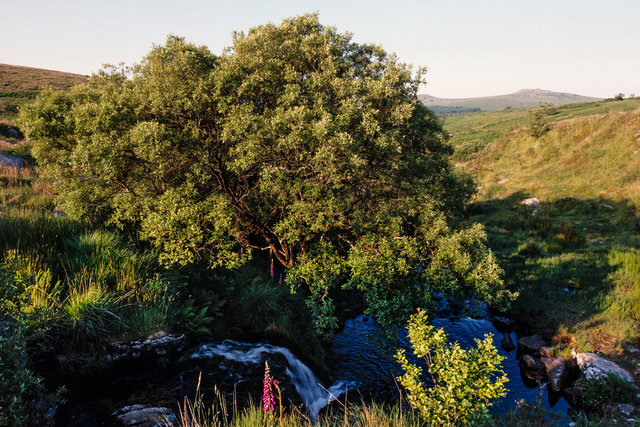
555 368
145 416
595 367
531 368
503 324
159 344
506 343
12 162
530 345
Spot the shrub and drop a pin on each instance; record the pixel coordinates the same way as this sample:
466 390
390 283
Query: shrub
464 381
538 125
22 400
613 390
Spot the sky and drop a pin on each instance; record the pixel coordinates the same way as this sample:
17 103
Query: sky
470 47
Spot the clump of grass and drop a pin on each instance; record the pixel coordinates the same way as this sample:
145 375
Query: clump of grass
90 311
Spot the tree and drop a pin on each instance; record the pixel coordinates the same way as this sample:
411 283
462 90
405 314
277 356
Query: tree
295 141
464 381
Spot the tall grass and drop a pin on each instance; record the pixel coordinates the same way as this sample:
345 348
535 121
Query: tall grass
222 413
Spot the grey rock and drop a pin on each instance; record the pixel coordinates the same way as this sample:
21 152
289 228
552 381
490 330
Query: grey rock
632 350
12 162
145 416
531 202
530 345
626 409
531 367
555 368
506 343
595 367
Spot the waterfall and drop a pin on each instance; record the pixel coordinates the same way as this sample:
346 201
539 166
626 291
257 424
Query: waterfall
314 396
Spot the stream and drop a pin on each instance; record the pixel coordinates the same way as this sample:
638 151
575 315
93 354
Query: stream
358 365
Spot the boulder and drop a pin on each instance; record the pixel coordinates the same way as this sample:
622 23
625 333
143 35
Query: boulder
12 162
556 372
531 368
530 345
506 343
503 324
145 416
595 367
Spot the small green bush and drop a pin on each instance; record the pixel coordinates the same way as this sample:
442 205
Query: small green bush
464 381
22 398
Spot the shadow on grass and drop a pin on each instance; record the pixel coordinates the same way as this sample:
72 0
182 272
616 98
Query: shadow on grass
557 255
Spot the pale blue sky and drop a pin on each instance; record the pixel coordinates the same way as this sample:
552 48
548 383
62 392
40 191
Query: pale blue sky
471 47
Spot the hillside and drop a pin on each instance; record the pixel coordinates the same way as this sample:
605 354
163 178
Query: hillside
20 84
525 98
573 257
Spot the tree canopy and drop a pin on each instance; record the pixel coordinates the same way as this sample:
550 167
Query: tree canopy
295 141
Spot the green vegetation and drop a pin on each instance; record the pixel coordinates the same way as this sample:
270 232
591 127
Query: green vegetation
297 143
187 176
573 261
613 390
464 381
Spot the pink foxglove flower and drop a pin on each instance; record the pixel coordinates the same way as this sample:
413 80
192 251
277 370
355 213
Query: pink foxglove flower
268 400
271 270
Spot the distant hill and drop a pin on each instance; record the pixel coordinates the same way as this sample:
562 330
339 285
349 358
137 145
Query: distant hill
525 98
19 85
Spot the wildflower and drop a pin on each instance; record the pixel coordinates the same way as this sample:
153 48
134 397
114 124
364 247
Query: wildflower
268 400
271 270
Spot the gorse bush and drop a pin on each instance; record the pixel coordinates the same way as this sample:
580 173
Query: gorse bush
464 381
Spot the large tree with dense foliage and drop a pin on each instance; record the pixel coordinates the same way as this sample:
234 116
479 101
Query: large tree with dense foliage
296 141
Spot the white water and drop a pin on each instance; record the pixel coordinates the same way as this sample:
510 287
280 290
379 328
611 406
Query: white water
314 396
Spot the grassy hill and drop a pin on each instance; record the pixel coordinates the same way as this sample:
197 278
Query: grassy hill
574 257
20 84
525 98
